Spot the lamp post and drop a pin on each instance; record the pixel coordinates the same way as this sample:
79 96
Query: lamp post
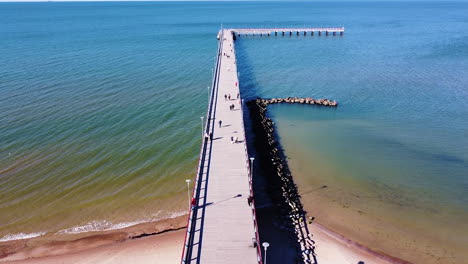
202 134
188 192
251 167
265 247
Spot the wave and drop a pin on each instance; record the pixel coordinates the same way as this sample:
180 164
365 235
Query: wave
100 225
20 236
105 225
93 226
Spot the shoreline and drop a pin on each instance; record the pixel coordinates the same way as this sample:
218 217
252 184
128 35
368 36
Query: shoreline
45 247
166 245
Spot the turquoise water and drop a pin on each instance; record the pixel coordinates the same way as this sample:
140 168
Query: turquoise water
100 105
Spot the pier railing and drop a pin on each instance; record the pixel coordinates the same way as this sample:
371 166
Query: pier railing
192 219
250 169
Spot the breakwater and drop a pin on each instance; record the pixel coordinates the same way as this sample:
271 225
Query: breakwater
282 189
299 100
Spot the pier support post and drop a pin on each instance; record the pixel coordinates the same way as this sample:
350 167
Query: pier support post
311 33
305 33
341 33
297 34
320 33
276 33
326 33
334 33
283 33
290 33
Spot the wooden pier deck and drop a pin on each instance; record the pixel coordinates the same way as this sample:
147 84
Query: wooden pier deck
222 226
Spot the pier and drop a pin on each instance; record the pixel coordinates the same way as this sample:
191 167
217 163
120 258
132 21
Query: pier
266 32
222 224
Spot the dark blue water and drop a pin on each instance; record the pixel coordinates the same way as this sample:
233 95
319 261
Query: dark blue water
100 106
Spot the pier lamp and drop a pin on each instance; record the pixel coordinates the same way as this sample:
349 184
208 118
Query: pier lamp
251 167
188 192
202 134
265 247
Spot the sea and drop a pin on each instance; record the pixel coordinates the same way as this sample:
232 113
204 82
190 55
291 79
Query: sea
100 106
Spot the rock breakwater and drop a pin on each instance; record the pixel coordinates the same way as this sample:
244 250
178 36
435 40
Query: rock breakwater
299 100
282 188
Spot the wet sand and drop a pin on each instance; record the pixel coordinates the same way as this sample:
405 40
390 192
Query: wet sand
108 246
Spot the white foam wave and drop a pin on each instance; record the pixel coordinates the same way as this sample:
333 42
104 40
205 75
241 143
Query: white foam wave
177 214
20 236
104 225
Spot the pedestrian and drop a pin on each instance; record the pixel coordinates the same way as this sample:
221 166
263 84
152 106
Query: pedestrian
238 95
207 136
211 136
249 200
236 84
229 97
232 139
220 122
225 97
193 203
235 140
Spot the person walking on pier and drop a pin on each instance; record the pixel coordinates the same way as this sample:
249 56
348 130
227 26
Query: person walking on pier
229 97
220 122
225 97
194 202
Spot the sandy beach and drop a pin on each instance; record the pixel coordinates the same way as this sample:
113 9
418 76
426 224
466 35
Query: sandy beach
145 242
165 247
